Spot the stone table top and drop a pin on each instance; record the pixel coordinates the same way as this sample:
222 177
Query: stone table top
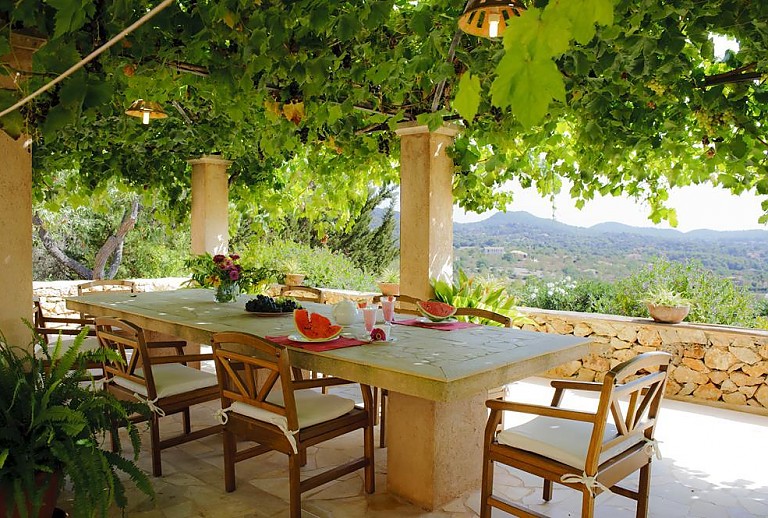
432 364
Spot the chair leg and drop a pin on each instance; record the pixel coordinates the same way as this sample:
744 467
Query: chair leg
230 451
302 457
295 485
113 431
547 494
186 421
370 468
383 419
154 445
587 505
643 491
376 405
486 489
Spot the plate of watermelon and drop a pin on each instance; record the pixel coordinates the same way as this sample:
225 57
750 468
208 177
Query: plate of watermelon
313 327
436 312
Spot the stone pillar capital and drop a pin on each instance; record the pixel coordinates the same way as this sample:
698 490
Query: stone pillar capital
210 160
414 128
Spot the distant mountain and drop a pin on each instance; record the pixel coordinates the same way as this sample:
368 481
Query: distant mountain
519 245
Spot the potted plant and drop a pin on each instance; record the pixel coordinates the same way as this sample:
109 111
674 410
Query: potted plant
292 273
389 281
667 306
52 425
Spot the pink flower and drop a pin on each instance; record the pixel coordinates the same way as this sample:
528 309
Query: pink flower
218 258
234 275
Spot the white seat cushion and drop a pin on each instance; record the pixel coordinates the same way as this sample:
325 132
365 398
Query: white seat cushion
311 407
563 440
170 379
91 343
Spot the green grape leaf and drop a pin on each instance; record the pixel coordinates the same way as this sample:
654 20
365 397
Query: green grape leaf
467 98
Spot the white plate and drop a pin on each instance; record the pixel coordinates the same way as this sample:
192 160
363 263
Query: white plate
299 338
425 320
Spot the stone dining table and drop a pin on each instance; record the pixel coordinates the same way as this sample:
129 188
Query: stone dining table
437 380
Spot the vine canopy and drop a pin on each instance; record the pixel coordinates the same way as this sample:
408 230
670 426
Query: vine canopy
616 96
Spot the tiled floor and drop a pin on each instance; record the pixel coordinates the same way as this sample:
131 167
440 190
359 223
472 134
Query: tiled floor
714 465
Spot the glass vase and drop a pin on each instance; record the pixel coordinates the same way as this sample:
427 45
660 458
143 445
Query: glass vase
227 292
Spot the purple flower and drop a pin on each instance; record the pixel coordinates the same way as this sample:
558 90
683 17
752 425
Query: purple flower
234 257
234 275
218 258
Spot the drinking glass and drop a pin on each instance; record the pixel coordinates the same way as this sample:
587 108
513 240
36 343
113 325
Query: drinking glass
388 308
369 315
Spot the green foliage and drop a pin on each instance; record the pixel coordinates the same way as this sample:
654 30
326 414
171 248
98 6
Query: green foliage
713 299
323 268
616 95
466 292
569 295
50 423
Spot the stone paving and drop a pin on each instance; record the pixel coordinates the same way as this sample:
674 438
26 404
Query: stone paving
713 466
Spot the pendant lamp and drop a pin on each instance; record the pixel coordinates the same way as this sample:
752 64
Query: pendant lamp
146 110
488 18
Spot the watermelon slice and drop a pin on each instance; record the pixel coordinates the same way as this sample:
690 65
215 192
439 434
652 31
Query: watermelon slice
436 311
314 327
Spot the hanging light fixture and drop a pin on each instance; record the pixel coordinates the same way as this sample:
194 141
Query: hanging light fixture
146 110
488 18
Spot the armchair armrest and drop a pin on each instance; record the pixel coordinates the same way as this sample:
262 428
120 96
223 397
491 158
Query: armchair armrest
577 385
180 358
497 406
320 382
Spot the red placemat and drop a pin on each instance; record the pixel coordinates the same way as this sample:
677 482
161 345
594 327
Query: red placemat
439 326
317 347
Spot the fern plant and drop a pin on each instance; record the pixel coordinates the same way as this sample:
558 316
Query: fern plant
52 420
469 292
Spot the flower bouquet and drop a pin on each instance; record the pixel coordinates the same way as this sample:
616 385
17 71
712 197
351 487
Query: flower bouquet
221 272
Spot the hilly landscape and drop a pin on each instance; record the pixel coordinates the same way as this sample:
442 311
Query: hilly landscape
518 245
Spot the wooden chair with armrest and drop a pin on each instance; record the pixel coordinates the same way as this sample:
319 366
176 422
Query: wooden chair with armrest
103 285
587 451
164 382
262 401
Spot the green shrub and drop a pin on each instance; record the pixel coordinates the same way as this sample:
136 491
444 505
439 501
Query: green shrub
714 299
323 268
569 295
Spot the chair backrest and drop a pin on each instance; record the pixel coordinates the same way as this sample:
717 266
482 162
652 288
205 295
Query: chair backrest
49 327
405 304
105 285
249 377
303 293
639 383
485 314
127 340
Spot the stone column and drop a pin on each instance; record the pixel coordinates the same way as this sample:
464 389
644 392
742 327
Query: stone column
210 205
15 239
426 207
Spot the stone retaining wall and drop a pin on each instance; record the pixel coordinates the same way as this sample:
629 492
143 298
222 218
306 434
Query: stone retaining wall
713 364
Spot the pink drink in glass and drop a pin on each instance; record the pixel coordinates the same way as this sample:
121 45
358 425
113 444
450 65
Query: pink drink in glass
369 314
388 308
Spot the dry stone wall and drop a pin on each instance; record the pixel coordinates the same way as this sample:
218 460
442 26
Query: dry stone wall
713 364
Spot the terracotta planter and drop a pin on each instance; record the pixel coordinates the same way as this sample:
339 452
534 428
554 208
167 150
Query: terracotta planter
389 288
49 497
668 314
294 279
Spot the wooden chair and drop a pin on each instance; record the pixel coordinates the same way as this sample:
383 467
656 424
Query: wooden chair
484 314
583 450
303 293
262 401
50 328
102 285
168 386
405 304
